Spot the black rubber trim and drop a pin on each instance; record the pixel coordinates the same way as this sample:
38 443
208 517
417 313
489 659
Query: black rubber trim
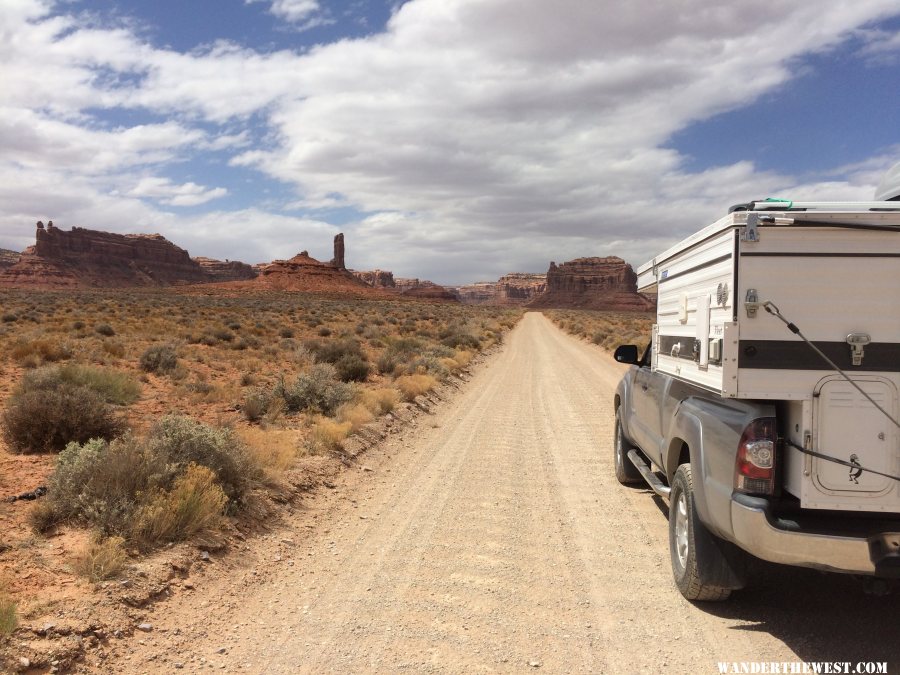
800 254
795 355
708 263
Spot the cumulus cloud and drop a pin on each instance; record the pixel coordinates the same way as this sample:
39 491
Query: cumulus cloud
473 138
167 192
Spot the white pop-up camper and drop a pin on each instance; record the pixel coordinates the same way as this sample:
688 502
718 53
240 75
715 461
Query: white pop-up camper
799 304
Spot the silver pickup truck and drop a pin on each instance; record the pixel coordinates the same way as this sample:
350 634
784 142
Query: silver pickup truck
701 453
766 408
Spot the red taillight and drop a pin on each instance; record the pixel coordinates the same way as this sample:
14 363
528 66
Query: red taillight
754 471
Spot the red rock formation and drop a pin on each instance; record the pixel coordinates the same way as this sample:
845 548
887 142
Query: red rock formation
338 259
89 258
229 270
511 289
303 273
8 258
376 278
593 283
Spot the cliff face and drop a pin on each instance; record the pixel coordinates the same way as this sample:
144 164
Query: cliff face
229 270
89 258
593 283
511 289
8 258
376 278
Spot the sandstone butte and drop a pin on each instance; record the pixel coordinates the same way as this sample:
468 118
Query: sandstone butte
593 283
304 273
82 258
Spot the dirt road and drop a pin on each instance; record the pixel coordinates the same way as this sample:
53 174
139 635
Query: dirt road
494 538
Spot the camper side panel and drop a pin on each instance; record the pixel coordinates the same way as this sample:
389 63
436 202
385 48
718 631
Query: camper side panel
694 302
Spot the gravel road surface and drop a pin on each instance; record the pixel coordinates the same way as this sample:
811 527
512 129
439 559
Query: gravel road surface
493 537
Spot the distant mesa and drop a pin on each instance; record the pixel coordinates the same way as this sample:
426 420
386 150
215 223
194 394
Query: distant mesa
593 283
419 289
229 270
305 273
516 288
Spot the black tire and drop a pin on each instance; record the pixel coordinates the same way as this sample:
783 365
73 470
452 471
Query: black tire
684 528
626 472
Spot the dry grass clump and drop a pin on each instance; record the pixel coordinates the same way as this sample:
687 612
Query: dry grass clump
272 450
9 615
101 559
36 352
379 401
357 414
195 503
115 386
411 386
328 435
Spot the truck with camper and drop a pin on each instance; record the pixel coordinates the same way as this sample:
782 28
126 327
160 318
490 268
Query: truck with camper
765 409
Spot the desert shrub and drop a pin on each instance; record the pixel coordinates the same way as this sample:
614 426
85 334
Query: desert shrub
159 359
114 386
428 365
286 332
183 441
255 405
458 340
335 350
223 334
273 450
105 329
98 483
46 420
387 362
9 317
317 389
9 615
324 331
352 369
194 504
101 559
415 385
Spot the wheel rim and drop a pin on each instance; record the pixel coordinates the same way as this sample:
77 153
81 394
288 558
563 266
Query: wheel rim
681 530
618 443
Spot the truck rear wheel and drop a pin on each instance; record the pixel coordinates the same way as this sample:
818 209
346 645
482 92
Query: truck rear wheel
684 528
626 472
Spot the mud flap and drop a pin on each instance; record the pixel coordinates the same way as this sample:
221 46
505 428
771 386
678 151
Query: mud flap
720 562
884 550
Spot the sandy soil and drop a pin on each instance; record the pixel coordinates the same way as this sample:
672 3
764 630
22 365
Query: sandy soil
493 537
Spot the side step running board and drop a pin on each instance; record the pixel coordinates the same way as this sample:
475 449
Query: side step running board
652 479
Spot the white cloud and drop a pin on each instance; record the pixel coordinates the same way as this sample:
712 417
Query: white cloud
479 136
167 192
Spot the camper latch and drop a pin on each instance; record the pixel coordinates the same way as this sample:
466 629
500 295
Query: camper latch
857 342
751 232
751 303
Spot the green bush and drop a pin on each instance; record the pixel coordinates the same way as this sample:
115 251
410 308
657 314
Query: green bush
461 340
159 359
318 389
46 420
183 441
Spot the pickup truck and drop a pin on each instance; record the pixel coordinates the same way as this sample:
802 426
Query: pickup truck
768 443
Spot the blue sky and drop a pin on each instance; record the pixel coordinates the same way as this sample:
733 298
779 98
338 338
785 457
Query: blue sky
454 140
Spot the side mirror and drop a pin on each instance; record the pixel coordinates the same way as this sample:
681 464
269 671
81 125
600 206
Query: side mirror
627 354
